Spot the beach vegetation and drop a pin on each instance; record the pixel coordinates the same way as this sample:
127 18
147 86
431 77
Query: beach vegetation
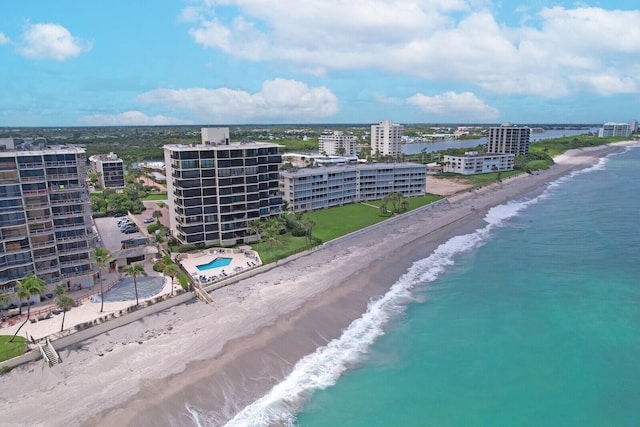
65 302
102 258
184 281
11 347
171 270
556 146
29 286
134 270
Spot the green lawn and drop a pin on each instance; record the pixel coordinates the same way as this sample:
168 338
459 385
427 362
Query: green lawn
156 196
291 246
487 178
11 350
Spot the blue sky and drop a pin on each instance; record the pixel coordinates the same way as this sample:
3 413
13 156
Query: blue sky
215 62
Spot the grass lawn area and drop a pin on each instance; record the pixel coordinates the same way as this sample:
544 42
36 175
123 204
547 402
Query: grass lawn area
291 246
536 165
156 196
414 202
487 178
11 350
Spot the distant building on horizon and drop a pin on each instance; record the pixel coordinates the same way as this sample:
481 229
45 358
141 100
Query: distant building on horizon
110 170
386 138
509 139
634 125
337 144
614 129
216 188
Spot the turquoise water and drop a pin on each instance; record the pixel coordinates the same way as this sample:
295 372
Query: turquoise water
215 263
533 320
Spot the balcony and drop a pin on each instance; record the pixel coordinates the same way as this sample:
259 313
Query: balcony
23 166
38 245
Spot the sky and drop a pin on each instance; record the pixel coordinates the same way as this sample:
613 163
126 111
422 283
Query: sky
226 62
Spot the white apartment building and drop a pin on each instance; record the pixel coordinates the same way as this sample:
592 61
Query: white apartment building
110 170
386 138
614 129
472 163
317 188
45 218
216 188
337 144
509 139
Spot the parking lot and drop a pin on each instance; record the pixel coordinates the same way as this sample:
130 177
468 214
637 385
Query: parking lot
111 234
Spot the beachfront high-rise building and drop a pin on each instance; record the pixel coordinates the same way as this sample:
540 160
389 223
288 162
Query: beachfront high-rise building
614 129
509 139
216 188
308 189
337 144
633 124
45 217
110 170
386 138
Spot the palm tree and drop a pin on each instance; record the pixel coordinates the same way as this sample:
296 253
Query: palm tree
256 227
27 287
308 224
102 257
157 215
65 302
171 270
134 270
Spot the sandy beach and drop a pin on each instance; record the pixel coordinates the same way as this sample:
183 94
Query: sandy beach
227 354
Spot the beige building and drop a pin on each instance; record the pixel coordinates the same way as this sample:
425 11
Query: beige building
509 139
386 138
337 144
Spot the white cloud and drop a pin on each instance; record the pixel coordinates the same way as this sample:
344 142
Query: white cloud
130 118
4 39
279 100
451 104
437 40
51 41
382 99
607 84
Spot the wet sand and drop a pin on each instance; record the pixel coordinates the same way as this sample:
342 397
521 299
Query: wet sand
225 355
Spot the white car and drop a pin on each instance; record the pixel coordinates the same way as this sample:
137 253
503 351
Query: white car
148 220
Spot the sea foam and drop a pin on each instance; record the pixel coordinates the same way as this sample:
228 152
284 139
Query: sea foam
324 367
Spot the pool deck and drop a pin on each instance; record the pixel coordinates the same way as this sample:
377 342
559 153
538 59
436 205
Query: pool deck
241 260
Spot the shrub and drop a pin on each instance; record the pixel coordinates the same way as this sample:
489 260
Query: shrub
151 228
159 266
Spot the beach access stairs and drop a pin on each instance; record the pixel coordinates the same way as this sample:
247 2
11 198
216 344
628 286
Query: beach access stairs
202 294
49 353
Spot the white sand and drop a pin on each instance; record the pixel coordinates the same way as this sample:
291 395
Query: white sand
108 370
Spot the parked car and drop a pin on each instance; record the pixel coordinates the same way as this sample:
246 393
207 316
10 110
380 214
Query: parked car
126 224
148 220
130 231
119 214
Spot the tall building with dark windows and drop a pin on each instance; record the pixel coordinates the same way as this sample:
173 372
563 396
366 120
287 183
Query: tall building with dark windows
509 139
216 188
45 217
110 170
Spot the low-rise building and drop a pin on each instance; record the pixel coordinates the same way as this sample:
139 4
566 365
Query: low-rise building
472 163
317 188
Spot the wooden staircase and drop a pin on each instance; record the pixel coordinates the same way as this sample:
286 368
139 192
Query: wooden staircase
202 294
49 353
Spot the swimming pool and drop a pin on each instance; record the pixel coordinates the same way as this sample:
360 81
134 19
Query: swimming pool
214 263
125 291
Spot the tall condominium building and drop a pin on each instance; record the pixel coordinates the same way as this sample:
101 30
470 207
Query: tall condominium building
385 138
337 144
110 170
615 129
509 139
317 188
216 188
45 218
633 125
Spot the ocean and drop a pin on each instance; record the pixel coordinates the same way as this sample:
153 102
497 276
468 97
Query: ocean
532 320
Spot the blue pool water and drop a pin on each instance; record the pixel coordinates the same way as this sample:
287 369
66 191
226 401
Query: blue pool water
125 291
215 263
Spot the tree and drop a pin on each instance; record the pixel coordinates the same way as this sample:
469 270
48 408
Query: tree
256 227
171 270
157 215
395 198
102 258
29 286
272 233
308 224
134 270
65 302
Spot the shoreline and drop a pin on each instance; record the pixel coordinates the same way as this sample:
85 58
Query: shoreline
257 328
